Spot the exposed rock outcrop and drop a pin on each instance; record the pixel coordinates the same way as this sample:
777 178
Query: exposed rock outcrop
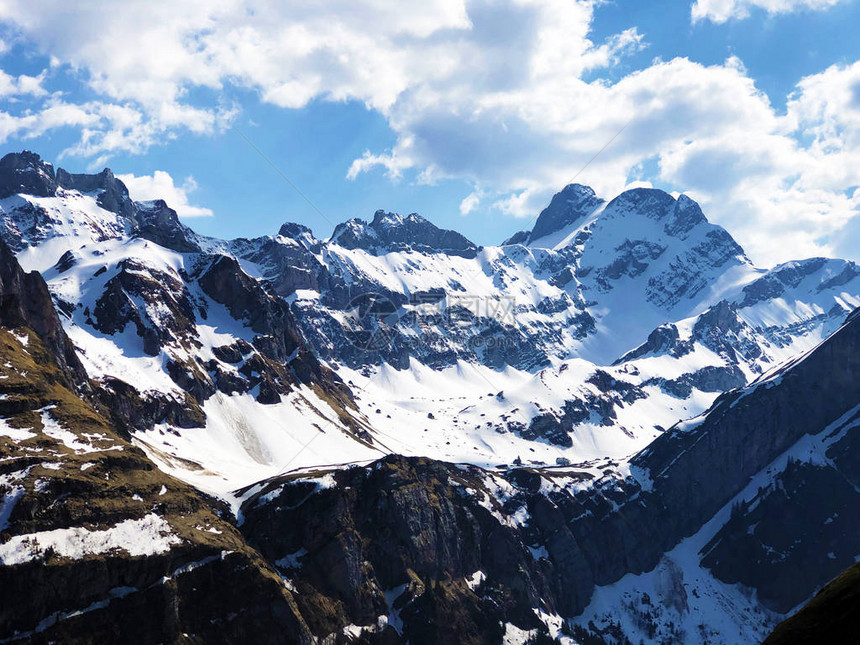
159 223
388 232
26 302
573 203
25 172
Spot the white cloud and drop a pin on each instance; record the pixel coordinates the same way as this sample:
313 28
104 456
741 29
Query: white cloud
510 96
720 11
13 86
160 185
470 203
53 114
780 195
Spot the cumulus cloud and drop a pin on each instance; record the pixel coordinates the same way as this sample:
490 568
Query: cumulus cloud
790 188
720 11
511 96
470 203
22 85
160 185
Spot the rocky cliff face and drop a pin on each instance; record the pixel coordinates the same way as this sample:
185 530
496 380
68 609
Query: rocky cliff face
428 552
26 302
570 206
26 173
388 232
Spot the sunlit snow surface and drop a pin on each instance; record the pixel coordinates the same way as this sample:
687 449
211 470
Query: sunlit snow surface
147 536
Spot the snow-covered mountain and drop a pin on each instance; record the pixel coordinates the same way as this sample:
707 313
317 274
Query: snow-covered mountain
482 354
611 427
204 363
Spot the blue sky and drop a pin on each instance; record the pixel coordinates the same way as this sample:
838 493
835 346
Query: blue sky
470 112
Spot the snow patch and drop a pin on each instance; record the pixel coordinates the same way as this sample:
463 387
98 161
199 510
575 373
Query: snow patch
147 536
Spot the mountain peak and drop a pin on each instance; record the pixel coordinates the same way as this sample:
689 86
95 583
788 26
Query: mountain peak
25 172
389 232
294 230
113 195
574 202
384 220
159 223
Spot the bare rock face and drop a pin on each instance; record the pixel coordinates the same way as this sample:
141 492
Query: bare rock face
25 301
570 205
279 356
799 532
443 547
128 408
288 266
112 194
746 429
404 524
247 300
159 223
388 232
139 295
191 573
25 172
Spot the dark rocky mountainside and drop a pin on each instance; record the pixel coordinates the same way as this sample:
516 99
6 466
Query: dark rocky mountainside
26 302
165 305
830 617
392 232
574 203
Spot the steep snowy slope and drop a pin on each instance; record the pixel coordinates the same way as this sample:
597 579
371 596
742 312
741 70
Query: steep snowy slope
522 319
789 441
442 348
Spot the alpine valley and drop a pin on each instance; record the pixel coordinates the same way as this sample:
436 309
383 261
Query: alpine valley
612 428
